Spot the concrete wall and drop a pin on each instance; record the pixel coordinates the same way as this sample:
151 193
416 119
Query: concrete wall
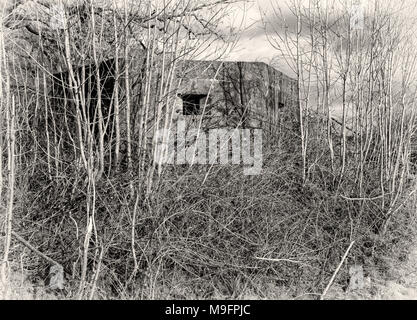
246 94
239 94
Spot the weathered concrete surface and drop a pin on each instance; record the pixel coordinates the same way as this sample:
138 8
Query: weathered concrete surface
247 94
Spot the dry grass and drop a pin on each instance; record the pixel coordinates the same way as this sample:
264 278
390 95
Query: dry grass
18 287
395 279
129 233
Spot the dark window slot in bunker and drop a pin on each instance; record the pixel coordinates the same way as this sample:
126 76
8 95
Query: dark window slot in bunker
193 104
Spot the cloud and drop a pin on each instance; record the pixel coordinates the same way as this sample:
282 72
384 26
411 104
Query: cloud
253 43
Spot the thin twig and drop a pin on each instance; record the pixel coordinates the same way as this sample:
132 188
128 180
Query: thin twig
36 251
336 271
278 260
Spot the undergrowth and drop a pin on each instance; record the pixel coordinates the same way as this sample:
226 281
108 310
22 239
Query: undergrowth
211 232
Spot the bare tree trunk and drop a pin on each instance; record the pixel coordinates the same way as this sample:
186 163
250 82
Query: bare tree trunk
10 118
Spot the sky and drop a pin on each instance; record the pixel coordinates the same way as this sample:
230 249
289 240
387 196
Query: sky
245 18
253 44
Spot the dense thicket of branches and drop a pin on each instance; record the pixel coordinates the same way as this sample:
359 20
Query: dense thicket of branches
364 80
79 184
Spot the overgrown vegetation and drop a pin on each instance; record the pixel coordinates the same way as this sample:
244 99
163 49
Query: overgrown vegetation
80 186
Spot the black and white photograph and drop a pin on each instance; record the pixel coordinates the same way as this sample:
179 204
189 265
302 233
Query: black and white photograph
221 152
